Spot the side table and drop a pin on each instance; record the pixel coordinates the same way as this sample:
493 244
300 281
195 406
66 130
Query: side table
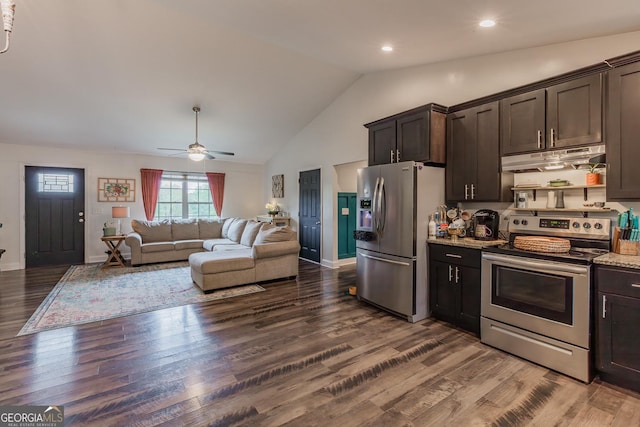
114 258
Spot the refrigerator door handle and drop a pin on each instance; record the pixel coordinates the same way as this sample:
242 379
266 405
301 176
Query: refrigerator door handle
382 206
375 205
390 261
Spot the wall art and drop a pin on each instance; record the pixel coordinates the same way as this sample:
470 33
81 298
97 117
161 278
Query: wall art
116 190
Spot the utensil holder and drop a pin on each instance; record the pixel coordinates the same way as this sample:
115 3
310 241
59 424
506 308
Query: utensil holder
624 247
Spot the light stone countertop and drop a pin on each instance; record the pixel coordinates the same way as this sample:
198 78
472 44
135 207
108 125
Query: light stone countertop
467 242
629 261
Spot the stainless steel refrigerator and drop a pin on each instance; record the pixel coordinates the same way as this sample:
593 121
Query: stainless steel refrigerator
394 204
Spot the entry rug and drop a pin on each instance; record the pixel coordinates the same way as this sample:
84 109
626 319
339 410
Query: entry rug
88 293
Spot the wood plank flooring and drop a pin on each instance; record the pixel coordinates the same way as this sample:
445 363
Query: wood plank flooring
303 353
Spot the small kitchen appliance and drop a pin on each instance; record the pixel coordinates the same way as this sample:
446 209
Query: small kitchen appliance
486 224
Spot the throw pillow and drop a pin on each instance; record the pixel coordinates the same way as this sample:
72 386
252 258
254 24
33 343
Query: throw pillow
152 231
210 228
250 232
185 229
273 235
235 229
225 227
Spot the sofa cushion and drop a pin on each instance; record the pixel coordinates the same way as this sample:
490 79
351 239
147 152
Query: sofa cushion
187 244
157 247
236 229
217 262
250 232
209 244
153 231
225 227
273 235
185 229
210 228
231 247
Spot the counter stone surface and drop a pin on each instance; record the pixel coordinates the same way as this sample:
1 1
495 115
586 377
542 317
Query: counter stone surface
629 261
468 242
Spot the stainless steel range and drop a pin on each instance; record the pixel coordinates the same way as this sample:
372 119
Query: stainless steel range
537 305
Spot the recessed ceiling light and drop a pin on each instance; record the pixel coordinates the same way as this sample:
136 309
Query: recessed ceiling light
487 23
387 48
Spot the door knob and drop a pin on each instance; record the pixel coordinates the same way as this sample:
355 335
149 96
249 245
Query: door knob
318 223
81 220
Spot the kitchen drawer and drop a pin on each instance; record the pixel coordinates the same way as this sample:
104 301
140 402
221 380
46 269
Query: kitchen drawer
454 255
618 281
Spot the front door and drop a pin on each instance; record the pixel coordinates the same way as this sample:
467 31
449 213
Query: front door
54 216
310 215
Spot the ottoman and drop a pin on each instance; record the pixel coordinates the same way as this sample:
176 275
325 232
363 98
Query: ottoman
222 269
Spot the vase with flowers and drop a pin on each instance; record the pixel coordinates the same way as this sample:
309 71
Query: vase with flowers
272 208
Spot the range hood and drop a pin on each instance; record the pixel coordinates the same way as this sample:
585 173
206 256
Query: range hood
571 158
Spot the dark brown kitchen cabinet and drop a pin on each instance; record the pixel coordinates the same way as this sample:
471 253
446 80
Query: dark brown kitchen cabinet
563 115
417 135
618 317
454 286
473 156
623 133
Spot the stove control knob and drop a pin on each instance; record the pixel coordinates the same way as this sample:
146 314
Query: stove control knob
586 225
525 222
516 221
575 224
597 226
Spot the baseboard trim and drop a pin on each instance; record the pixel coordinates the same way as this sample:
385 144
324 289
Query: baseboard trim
11 266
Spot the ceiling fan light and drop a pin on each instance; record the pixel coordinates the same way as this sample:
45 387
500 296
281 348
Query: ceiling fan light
196 157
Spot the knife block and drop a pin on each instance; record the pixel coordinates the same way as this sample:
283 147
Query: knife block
623 247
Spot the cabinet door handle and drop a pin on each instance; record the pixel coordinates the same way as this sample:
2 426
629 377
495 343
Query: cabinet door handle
466 192
551 135
397 156
635 285
450 273
604 306
457 274
391 156
473 194
453 255
539 139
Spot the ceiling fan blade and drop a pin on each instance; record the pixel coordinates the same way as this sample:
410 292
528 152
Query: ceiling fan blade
209 156
172 149
225 153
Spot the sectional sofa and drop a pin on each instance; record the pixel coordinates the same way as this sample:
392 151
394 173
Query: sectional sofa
222 253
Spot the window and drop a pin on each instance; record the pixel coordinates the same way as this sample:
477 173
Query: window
184 195
55 183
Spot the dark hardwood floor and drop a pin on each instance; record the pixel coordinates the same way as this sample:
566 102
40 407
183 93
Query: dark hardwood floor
301 354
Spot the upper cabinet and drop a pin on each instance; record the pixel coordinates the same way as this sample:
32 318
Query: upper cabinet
417 135
563 115
623 132
473 156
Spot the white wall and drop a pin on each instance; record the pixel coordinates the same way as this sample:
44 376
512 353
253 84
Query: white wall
243 190
336 136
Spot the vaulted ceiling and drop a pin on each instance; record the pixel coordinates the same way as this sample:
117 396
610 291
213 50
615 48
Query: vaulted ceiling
123 75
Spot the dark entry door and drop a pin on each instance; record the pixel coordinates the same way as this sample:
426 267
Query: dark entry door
310 215
54 216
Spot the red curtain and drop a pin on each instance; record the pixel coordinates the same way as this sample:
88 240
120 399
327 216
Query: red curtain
216 186
150 180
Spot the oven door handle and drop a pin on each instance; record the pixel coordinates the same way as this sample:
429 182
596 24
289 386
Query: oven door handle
536 265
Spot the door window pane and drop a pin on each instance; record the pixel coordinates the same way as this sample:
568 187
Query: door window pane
55 183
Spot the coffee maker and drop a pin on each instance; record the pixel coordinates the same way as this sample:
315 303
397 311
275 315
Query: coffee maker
486 224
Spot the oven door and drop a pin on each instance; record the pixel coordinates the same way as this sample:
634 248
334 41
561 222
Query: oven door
549 298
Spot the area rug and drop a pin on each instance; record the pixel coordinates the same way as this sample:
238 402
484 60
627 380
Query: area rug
88 293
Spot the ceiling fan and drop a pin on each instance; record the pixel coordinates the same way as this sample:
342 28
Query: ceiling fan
197 151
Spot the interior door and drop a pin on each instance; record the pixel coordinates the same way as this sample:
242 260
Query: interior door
54 216
310 215
346 225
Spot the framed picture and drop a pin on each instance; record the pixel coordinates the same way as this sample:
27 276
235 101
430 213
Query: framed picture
116 190
277 186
